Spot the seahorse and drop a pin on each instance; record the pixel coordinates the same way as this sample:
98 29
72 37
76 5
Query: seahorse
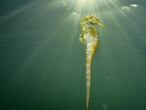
90 39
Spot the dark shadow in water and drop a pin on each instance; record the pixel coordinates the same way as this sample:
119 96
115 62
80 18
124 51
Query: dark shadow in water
2 1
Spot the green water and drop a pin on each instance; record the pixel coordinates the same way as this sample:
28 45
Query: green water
42 63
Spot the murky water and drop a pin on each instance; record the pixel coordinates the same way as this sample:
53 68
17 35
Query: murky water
42 63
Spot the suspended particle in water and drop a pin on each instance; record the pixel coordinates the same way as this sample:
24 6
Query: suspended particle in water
74 13
125 8
104 106
134 5
107 74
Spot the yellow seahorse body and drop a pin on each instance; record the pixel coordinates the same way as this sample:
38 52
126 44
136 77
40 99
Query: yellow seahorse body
90 38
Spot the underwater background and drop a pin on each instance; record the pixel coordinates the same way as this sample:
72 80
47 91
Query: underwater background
42 62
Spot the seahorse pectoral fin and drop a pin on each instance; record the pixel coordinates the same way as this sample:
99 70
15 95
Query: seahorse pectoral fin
100 24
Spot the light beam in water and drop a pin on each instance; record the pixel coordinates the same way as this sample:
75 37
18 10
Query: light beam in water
111 10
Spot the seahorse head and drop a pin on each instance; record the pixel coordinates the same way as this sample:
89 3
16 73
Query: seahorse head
91 20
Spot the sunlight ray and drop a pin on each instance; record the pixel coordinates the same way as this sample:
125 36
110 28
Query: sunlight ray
15 12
